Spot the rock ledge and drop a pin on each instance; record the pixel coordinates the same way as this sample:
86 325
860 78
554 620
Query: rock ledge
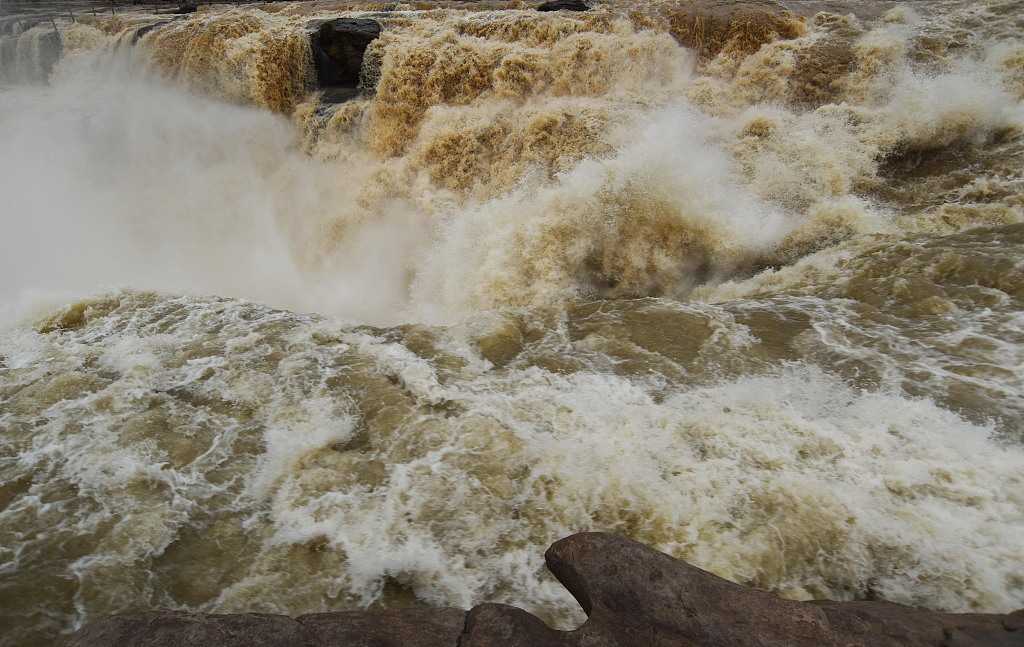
633 596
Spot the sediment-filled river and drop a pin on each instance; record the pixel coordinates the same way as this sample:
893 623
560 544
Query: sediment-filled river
743 281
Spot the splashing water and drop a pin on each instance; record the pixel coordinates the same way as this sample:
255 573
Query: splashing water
743 283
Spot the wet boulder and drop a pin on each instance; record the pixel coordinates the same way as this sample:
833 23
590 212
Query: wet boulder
564 5
339 47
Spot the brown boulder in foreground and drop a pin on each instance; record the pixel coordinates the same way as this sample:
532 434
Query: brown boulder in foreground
632 594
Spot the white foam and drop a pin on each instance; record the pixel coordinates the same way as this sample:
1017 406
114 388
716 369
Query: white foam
651 215
110 179
743 478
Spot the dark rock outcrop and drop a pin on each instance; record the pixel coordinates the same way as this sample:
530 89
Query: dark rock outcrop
145 29
564 5
386 628
632 594
338 49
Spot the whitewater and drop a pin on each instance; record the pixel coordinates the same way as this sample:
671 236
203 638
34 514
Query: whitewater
744 283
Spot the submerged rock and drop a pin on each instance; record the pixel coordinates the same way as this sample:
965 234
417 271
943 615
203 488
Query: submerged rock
633 596
338 49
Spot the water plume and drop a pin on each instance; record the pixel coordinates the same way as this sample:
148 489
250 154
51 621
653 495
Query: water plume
656 219
157 188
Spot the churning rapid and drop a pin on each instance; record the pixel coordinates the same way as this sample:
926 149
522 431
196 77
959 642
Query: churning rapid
744 282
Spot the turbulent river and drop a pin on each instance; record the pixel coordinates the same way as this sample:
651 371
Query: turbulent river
743 281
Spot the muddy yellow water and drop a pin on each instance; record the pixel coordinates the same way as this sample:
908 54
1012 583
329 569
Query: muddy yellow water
744 281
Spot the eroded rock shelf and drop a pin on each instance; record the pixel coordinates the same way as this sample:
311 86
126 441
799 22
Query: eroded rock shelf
634 596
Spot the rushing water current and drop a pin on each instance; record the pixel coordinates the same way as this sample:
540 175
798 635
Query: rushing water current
743 281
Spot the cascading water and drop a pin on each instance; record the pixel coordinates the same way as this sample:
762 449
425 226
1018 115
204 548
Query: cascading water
743 283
